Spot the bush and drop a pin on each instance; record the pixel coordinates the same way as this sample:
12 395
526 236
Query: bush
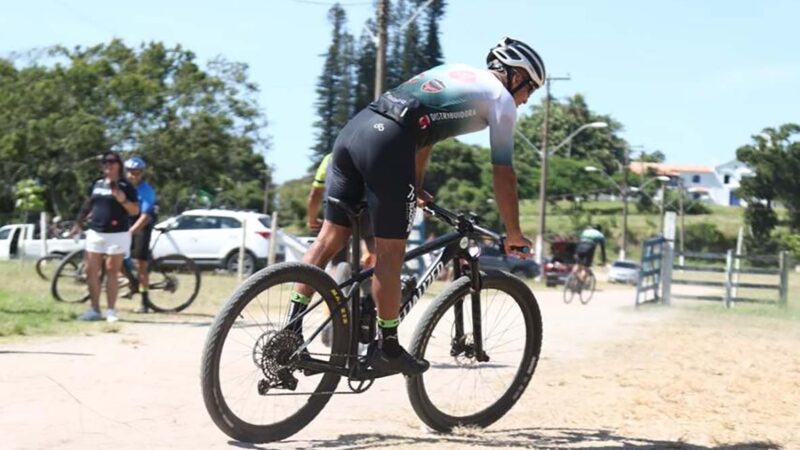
706 237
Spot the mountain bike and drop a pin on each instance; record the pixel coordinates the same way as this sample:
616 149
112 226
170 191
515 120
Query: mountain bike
482 335
173 283
583 289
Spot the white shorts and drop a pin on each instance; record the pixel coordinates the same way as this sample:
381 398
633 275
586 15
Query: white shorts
108 243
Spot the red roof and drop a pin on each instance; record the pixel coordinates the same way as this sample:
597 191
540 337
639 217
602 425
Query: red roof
670 170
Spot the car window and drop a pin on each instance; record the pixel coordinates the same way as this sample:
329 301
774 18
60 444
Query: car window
4 233
266 221
229 222
197 223
624 265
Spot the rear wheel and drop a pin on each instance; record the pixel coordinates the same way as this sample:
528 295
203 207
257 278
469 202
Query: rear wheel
174 281
572 288
251 386
458 389
69 279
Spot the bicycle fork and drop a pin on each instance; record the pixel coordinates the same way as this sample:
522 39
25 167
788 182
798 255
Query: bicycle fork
459 344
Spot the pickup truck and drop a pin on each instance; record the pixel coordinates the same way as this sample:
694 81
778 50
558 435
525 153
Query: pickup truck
24 241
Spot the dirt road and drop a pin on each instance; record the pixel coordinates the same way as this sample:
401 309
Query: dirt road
609 377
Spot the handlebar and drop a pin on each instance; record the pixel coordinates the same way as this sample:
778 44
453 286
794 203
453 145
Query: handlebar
469 225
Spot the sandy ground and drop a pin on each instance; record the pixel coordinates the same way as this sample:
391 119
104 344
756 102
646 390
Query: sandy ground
610 377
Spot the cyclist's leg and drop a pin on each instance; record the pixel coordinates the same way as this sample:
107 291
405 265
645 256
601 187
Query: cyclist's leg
94 263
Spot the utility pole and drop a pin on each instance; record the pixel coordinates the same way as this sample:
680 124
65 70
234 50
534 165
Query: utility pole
623 252
543 178
380 64
683 222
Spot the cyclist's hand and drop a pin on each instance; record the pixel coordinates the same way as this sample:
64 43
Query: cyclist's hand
424 198
512 244
314 224
118 194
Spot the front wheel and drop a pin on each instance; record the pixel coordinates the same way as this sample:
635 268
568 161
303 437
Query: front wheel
69 280
588 288
459 389
174 281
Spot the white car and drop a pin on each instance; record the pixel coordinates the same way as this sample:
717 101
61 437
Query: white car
623 272
212 238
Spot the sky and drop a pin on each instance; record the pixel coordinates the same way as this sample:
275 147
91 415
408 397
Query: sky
694 79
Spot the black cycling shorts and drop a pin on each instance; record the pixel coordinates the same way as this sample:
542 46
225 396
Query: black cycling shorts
584 253
140 244
374 156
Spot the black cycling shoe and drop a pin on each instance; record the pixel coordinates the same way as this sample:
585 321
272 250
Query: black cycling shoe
403 363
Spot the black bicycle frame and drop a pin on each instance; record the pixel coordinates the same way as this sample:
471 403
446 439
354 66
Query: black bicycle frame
455 247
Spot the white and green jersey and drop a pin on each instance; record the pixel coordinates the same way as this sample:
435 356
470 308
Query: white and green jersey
451 100
592 235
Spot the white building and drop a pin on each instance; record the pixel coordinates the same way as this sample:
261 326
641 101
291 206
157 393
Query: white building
713 184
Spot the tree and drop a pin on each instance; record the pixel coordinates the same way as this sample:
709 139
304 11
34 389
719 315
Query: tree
774 155
335 86
365 68
433 48
602 145
196 128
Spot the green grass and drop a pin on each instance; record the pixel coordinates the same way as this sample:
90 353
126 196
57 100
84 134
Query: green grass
27 309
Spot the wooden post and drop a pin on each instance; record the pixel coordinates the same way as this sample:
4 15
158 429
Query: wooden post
273 239
666 273
728 279
43 232
784 292
737 263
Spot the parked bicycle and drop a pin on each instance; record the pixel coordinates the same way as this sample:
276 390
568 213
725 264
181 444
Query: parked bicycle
583 289
174 280
482 335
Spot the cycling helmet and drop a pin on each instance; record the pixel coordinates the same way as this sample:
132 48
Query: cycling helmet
135 163
514 53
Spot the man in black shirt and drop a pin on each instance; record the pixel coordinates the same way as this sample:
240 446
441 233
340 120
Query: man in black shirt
110 202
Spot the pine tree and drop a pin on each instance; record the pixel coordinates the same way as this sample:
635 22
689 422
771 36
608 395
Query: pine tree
433 48
365 69
334 104
394 55
414 58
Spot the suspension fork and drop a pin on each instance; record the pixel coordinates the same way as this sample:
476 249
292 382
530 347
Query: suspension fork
475 296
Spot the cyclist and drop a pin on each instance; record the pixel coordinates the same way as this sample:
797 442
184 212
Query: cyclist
110 201
383 152
584 251
142 225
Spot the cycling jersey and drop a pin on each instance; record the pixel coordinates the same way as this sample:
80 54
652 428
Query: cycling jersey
322 170
589 238
450 100
590 234
147 201
108 215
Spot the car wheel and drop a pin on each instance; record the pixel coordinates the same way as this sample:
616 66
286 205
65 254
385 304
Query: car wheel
249 262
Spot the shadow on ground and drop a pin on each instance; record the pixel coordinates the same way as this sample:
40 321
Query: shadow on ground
571 438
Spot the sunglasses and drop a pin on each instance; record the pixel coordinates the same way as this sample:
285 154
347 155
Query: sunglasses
134 172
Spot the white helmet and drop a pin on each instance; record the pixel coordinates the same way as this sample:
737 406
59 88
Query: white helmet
514 53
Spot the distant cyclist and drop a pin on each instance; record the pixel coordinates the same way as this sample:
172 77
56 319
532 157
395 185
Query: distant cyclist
110 202
584 252
142 225
382 154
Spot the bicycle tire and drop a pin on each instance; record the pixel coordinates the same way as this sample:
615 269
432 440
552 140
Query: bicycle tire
45 261
569 288
588 289
163 276
215 403
420 400
69 279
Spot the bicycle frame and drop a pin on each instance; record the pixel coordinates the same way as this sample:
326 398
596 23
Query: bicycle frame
455 245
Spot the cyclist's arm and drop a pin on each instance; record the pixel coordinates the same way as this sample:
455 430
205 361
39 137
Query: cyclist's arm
315 196
603 249
505 191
